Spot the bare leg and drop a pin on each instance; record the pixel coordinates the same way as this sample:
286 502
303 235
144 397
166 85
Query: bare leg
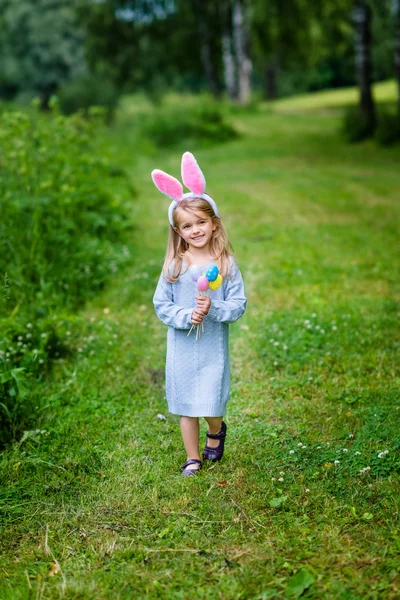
190 436
214 425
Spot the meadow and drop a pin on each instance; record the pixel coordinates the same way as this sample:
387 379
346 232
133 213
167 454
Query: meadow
306 500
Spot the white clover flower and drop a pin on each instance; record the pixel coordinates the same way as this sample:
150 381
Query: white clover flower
275 363
280 479
334 327
281 473
272 340
291 451
273 478
317 327
68 333
318 447
337 462
344 450
29 325
322 330
285 347
43 335
300 444
41 361
351 435
307 491
80 350
314 315
303 446
276 343
20 337
28 335
357 453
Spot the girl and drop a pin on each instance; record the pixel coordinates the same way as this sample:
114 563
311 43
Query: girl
197 368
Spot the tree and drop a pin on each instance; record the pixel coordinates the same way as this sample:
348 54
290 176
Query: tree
242 51
363 40
41 46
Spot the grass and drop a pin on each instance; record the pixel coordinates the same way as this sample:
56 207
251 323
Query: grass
93 504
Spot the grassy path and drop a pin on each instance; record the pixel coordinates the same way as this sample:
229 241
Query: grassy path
95 506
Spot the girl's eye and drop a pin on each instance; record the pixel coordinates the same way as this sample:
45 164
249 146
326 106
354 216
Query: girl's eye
202 222
186 226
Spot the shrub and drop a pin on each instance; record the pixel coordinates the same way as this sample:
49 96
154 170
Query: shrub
356 126
87 91
62 236
203 124
388 128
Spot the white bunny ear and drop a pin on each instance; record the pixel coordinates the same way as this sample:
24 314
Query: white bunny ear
192 175
167 184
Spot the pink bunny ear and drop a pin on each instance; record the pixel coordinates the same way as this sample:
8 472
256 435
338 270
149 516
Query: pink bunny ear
167 184
192 175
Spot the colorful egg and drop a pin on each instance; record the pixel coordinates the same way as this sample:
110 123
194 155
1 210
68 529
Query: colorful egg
195 272
202 283
215 285
212 273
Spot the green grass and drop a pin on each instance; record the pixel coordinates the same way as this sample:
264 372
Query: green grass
96 490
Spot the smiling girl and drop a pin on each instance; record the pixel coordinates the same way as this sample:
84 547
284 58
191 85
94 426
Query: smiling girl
197 370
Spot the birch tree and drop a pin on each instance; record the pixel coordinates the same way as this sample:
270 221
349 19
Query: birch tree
363 41
228 61
242 52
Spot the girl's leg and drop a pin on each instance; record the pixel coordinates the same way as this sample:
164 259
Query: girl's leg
214 425
190 435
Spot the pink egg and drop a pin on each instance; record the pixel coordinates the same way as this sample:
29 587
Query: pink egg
202 283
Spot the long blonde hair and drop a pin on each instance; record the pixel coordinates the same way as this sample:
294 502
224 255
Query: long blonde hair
220 246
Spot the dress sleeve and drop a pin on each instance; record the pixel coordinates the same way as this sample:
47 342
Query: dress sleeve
234 305
167 311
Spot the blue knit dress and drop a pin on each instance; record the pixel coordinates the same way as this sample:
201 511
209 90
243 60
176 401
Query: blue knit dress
197 371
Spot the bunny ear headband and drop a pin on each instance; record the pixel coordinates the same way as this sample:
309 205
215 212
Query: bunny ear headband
193 179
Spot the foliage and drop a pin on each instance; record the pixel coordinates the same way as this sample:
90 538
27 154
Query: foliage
61 238
200 124
41 45
388 128
87 91
357 126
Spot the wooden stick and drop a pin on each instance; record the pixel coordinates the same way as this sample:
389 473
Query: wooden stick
191 330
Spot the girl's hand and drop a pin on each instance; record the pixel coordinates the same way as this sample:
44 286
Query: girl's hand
197 317
203 304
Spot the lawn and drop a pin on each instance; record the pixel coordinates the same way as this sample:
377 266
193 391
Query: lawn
306 499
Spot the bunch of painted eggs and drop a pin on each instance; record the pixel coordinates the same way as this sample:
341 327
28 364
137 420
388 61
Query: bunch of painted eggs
211 279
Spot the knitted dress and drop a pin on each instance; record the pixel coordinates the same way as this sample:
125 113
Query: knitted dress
197 371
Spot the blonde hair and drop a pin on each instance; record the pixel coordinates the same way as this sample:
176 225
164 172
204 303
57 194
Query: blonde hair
220 246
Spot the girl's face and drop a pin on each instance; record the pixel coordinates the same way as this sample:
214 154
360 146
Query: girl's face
196 229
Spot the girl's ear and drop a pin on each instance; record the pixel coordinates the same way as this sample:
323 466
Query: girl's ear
192 175
167 184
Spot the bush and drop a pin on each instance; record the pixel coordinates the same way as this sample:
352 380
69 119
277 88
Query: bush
204 124
87 91
62 236
356 127
388 128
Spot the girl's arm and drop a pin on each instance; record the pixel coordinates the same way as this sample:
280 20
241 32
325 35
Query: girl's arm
167 311
234 305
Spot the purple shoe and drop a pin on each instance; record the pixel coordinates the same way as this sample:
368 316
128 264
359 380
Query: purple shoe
192 461
215 454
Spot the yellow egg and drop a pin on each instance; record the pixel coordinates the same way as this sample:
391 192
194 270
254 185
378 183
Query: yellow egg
215 285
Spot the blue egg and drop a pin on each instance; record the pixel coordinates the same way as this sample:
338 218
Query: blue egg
212 273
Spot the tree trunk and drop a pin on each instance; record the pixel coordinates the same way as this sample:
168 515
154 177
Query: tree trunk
227 53
243 61
396 22
362 24
271 80
206 50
